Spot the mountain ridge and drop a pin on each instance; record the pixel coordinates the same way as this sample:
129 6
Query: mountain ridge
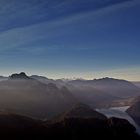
103 92
31 97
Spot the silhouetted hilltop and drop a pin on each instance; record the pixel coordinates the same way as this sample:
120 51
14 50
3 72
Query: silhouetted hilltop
80 111
21 75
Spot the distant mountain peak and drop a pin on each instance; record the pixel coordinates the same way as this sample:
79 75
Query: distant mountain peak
21 75
38 77
108 79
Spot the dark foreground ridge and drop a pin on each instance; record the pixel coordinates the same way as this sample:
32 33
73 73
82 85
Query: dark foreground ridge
68 127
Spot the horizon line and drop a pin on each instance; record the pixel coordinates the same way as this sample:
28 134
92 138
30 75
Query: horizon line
68 78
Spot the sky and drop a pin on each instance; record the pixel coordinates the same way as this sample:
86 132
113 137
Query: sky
71 38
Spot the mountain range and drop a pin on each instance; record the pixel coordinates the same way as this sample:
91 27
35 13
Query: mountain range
27 96
39 107
97 93
105 84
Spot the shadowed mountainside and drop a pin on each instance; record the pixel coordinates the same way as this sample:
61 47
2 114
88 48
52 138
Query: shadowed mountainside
114 87
73 125
98 93
103 92
79 110
27 96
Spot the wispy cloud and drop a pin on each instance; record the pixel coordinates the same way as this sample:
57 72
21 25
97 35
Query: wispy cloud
23 34
16 14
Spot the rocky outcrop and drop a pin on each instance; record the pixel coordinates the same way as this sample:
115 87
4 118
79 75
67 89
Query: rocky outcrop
21 75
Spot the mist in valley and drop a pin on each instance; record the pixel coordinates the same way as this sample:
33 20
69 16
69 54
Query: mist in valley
69 69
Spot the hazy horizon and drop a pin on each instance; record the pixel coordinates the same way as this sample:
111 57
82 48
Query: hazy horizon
68 77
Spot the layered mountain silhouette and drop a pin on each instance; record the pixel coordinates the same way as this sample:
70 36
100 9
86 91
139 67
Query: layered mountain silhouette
73 125
64 117
103 92
115 87
46 80
81 122
27 96
98 92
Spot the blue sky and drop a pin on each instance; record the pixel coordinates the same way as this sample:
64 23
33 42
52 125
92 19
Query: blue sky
71 38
